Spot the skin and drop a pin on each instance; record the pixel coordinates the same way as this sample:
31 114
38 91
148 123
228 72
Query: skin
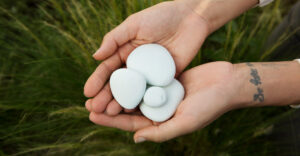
204 101
211 89
182 28
178 29
279 82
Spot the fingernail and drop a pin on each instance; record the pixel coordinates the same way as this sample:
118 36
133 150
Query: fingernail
139 140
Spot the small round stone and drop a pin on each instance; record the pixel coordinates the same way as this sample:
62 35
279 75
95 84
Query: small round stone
175 94
155 96
127 87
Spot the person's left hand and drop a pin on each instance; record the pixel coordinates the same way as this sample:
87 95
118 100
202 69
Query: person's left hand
209 91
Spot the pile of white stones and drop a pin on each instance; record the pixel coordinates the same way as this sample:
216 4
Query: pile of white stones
149 81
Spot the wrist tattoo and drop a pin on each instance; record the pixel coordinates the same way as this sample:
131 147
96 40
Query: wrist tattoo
256 81
259 96
255 77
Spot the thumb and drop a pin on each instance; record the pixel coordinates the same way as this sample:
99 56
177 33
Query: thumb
114 39
165 131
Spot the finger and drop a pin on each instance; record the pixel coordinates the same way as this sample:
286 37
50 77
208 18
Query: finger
123 33
129 110
113 108
102 99
164 131
100 76
122 121
104 70
157 123
88 105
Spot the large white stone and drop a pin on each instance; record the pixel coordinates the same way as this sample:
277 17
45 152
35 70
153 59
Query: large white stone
154 62
175 94
127 87
155 96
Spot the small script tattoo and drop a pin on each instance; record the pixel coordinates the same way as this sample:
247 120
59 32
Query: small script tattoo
255 80
255 77
259 95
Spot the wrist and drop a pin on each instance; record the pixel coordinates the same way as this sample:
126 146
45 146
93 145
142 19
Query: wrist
218 12
191 16
242 96
266 84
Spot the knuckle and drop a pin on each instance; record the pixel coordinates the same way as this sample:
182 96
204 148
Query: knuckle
157 137
106 36
131 21
131 17
91 117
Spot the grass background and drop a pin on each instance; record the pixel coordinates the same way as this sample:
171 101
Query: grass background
45 59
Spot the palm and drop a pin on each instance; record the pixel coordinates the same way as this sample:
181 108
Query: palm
207 93
174 26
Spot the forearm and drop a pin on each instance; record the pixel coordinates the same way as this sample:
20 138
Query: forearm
219 12
267 84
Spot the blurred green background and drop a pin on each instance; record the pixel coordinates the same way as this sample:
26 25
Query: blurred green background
45 59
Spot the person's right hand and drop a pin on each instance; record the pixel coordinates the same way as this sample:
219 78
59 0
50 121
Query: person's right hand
209 90
171 24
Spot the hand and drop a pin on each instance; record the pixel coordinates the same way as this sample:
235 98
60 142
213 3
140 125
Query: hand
209 90
171 24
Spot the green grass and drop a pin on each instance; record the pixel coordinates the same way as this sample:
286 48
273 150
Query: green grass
45 59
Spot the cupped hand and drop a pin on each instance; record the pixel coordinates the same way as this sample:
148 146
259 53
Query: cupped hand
171 24
209 92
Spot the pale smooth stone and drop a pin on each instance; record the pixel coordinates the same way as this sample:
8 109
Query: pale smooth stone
127 87
175 94
155 96
154 62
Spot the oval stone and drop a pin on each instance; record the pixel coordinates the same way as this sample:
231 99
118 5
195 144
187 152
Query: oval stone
155 96
175 94
127 87
154 62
